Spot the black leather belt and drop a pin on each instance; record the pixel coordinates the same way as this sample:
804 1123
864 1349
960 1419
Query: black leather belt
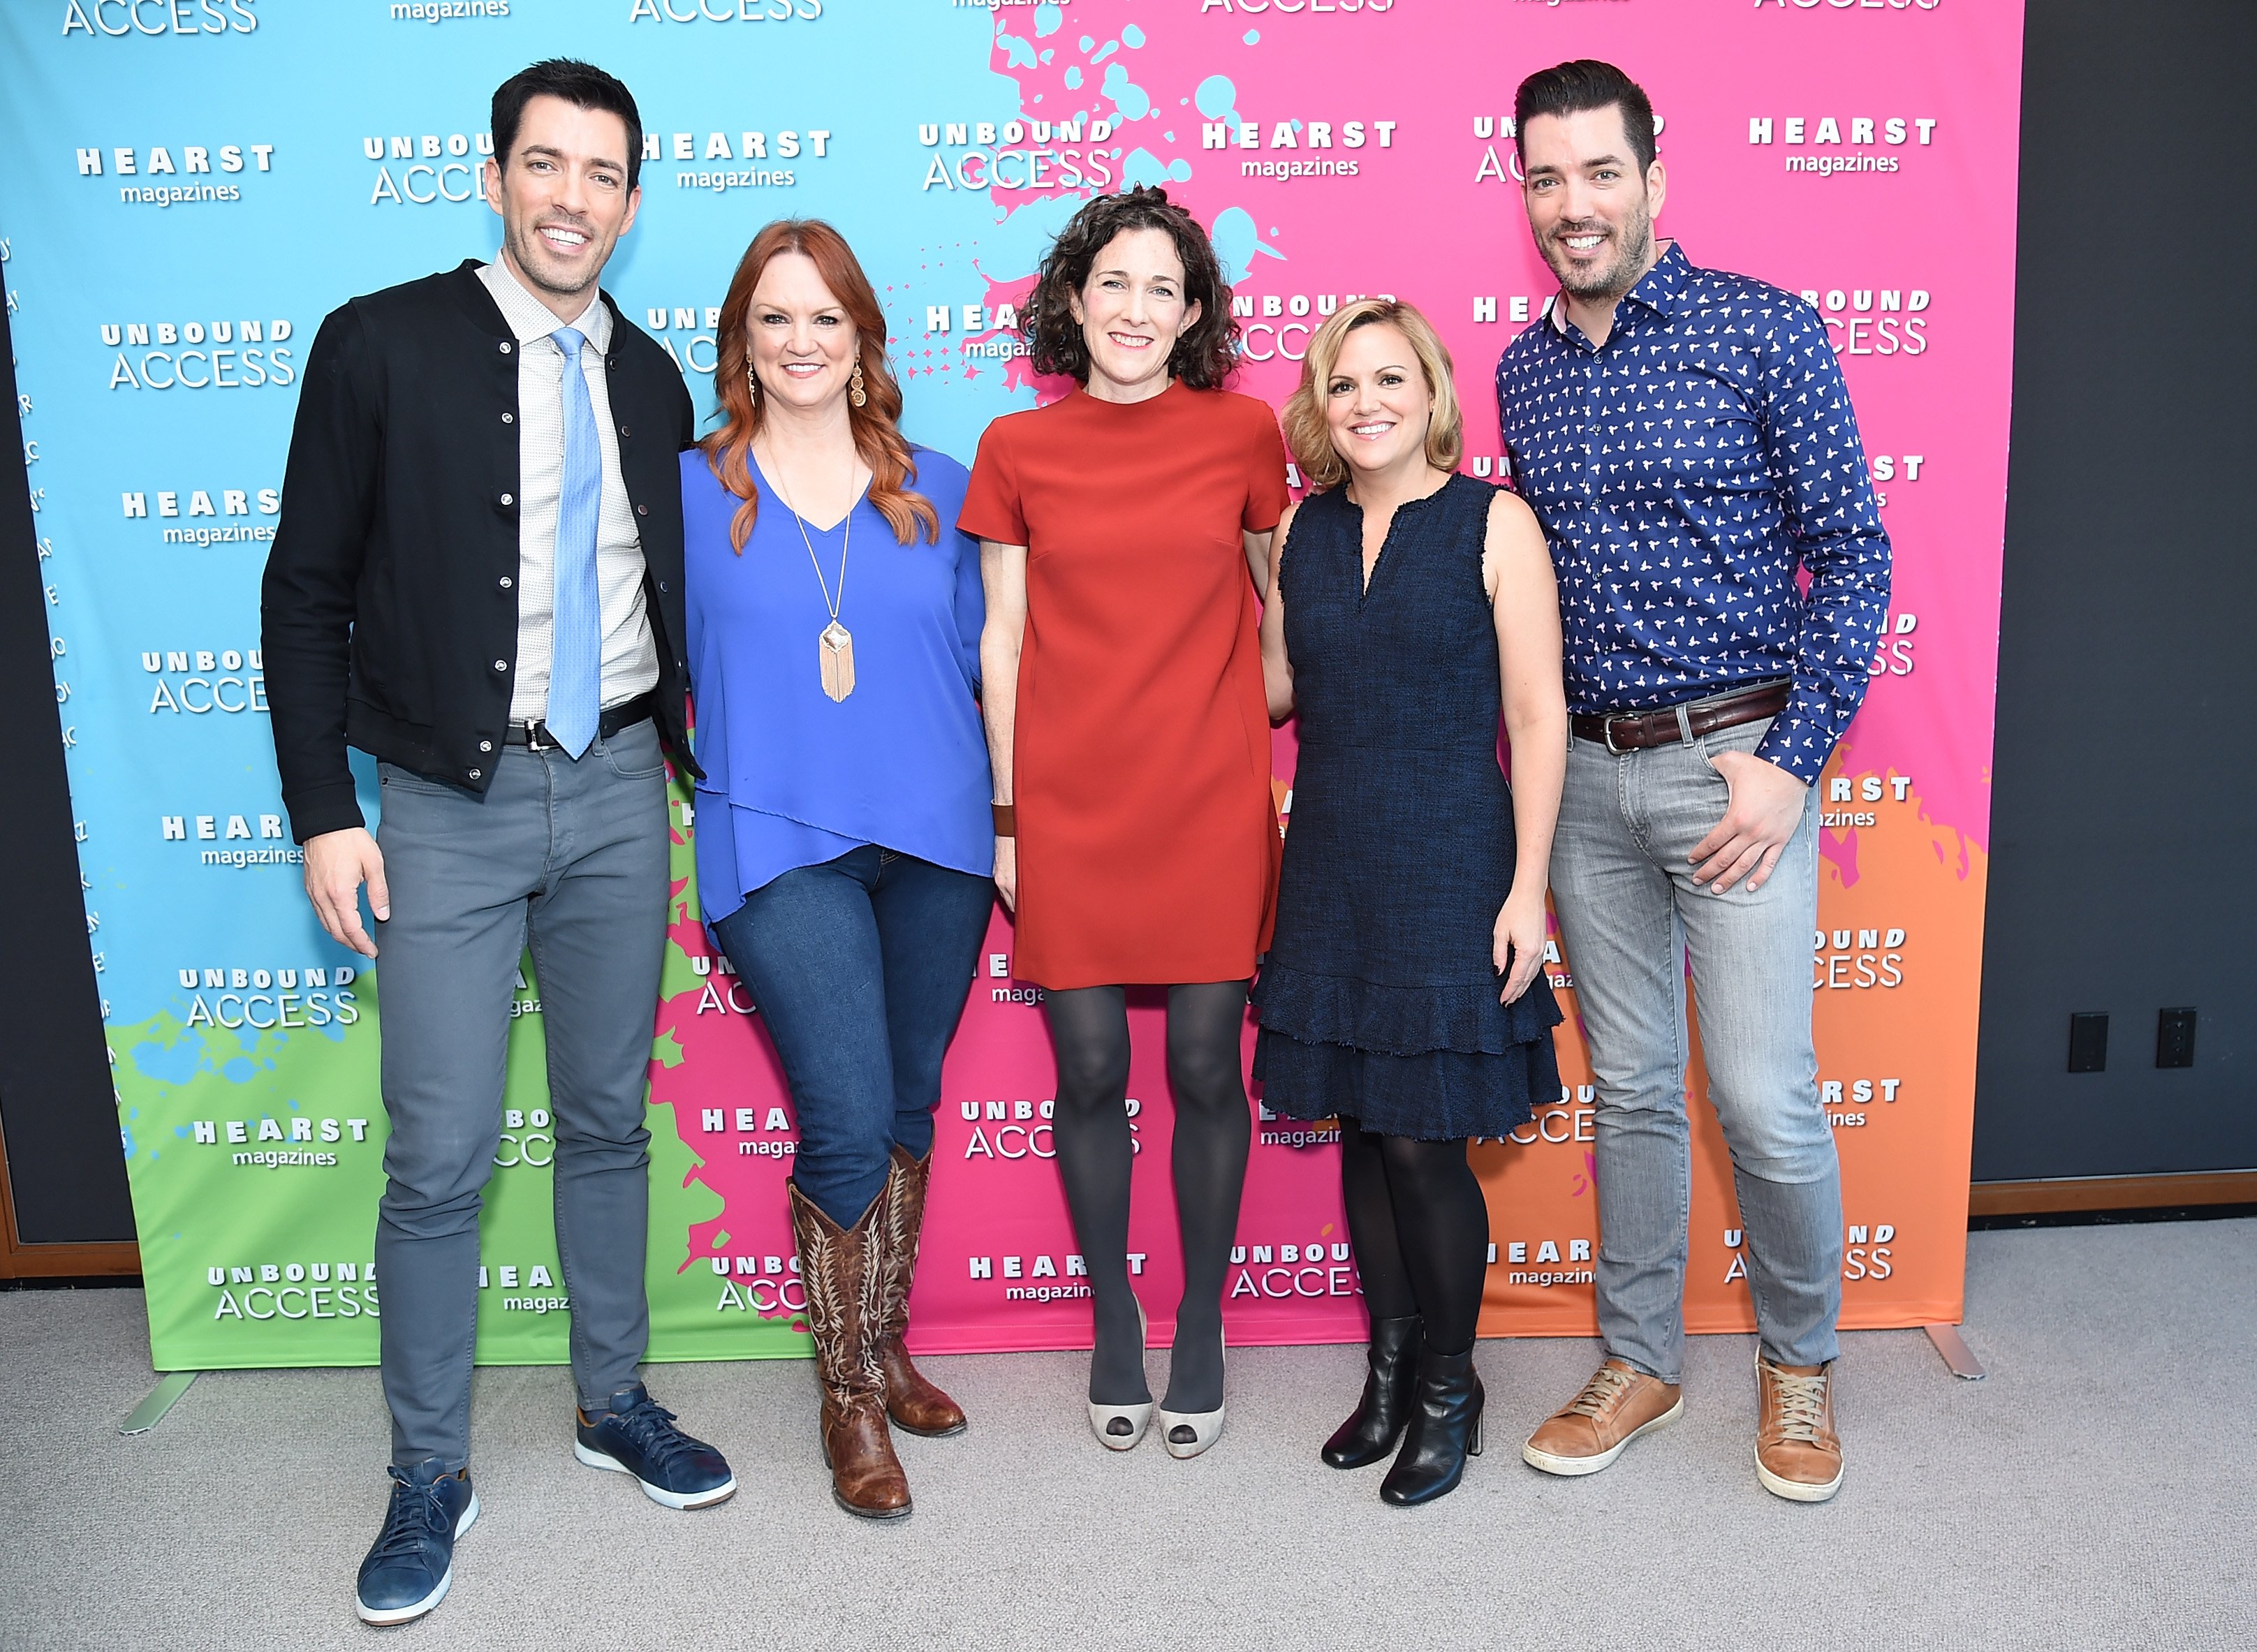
626 714
1639 730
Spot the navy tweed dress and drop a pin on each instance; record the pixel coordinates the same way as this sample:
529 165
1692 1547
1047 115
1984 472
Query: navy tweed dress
1378 998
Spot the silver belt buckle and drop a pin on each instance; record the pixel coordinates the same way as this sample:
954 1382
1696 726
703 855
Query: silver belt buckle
1607 733
532 740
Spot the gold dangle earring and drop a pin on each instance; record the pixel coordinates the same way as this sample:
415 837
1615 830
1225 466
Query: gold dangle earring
752 382
855 393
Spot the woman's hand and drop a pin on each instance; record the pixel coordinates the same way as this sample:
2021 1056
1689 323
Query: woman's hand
1519 942
1007 873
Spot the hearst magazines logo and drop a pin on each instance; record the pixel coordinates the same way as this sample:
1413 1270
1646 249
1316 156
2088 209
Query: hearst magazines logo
762 1133
264 998
1017 154
252 839
1037 1277
1863 800
1848 1101
1837 147
179 509
196 160
1545 1262
295 1289
201 681
116 18
1298 147
751 153
199 355
990 331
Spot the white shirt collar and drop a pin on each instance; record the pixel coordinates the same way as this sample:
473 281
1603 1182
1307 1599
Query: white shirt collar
529 318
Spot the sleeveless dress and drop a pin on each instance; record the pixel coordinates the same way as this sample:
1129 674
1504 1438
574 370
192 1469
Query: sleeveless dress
1378 998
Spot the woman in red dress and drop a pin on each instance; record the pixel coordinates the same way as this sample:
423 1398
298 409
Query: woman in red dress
1125 533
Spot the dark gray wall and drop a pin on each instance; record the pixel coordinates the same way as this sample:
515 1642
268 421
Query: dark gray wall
58 1113
2123 874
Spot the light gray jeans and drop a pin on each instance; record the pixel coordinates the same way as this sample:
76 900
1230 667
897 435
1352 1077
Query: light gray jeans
1623 886
572 855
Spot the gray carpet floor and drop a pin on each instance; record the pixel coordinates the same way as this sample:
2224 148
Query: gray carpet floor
2096 1491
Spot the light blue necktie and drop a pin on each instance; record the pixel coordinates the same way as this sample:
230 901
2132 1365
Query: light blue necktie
575 668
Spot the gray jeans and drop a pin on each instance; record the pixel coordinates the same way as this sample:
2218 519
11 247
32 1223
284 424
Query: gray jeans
1623 886
571 856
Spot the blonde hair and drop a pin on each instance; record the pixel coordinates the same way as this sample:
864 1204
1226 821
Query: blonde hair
1308 434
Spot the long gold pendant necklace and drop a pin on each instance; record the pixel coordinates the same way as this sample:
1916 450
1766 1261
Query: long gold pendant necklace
834 648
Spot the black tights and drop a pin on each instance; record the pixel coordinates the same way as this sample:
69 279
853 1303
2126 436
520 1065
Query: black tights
1089 1025
1421 1229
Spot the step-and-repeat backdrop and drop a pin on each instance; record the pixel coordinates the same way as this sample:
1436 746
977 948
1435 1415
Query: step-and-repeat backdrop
195 183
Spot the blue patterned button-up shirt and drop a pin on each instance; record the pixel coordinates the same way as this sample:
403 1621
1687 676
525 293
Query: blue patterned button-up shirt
1684 471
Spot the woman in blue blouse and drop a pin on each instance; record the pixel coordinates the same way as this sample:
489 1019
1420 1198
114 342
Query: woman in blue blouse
845 842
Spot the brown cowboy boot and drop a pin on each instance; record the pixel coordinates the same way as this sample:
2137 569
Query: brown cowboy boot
839 1270
913 1402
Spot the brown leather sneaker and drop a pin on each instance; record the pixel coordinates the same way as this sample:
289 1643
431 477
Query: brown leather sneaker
1798 1453
1615 1406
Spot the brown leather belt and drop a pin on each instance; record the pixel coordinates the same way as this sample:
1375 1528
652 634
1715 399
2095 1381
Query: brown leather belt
1639 730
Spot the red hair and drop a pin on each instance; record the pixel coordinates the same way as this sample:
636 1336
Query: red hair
876 424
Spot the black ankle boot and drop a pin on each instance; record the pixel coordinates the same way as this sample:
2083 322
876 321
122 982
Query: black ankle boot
1445 1430
1389 1387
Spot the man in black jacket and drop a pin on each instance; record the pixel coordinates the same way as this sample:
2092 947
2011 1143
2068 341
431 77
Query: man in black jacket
477 580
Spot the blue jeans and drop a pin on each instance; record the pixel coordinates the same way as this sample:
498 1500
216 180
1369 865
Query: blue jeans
1623 886
859 967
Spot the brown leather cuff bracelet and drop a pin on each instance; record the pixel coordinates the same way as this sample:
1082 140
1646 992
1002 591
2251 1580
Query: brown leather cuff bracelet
1007 820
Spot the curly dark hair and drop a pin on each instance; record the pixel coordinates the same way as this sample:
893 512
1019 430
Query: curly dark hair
1204 357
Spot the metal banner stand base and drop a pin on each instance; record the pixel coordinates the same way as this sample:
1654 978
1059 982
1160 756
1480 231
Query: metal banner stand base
158 1400
1951 1345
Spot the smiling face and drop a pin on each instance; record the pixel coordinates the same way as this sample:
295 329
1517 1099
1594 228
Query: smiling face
1377 405
803 343
563 194
1132 310
1591 208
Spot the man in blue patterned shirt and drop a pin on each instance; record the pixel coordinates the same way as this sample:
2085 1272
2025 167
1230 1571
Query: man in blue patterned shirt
1685 438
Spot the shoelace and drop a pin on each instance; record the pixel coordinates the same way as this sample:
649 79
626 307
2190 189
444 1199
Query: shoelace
1608 1385
650 1426
1801 1404
416 1516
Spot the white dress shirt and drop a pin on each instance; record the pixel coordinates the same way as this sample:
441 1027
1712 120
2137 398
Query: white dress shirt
630 654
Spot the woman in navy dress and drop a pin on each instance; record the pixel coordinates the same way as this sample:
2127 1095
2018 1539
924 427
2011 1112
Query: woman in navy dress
845 844
1411 610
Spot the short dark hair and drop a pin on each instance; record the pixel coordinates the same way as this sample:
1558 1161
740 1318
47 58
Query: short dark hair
581 84
1570 88
1204 357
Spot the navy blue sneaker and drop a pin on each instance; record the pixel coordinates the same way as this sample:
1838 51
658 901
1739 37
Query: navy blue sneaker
407 1573
635 1435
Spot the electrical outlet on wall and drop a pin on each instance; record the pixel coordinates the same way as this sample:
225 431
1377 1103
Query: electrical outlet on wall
2088 1042
2174 1038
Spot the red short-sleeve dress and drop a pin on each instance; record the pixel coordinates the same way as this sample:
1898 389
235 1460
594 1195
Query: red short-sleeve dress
1148 841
